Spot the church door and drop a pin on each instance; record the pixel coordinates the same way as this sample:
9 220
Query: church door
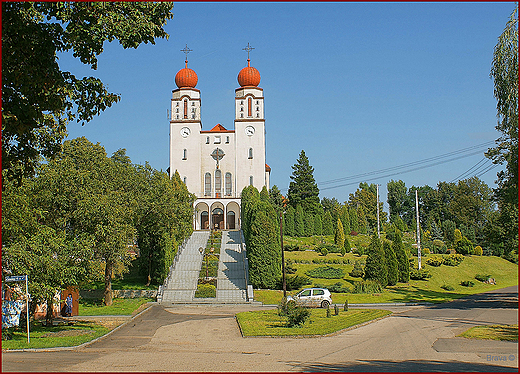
217 219
204 220
231 220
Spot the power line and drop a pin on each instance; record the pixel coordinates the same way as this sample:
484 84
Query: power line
474 169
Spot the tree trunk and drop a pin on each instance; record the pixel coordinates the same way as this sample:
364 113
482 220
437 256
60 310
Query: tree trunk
50 309
107 295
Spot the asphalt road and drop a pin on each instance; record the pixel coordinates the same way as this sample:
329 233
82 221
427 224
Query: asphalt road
206 338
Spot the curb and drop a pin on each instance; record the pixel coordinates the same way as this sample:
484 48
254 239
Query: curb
71 348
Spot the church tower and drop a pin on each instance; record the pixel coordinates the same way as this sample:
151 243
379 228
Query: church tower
250 129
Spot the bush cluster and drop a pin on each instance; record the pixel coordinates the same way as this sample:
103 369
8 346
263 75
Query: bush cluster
453 259
358 271
330 261
421 274
296 315
367 286
329 248
326 272
339 288
447 287
482 277
467 283
434 261
293 282
206 290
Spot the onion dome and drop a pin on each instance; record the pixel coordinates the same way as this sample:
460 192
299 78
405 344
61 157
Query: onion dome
249 76
186 78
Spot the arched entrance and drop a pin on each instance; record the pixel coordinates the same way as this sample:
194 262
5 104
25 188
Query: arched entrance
204 220
230 219
217 219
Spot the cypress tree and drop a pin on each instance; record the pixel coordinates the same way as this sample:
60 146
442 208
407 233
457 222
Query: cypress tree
345 219
264 194
347 245
339 237
299 225
263 252
391 264
362 221
375 267
288 228
403 265
328 229
354 226
318 226
309 224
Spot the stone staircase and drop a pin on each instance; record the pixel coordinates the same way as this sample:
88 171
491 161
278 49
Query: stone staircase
181 283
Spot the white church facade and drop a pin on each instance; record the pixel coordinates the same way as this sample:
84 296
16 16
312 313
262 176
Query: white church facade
217 164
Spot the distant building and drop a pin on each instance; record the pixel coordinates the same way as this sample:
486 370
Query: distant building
217 164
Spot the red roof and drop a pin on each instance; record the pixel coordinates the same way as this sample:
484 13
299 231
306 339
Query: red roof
218 128
267 168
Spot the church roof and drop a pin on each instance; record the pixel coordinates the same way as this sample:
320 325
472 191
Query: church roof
267 168
218 128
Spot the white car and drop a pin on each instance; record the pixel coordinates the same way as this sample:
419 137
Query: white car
312 297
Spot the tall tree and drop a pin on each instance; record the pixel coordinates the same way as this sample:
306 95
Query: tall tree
375 267
38 98
288 228
303 189
328 226
339 236
276 198
391 263
504 72
299 221
403 265
396 198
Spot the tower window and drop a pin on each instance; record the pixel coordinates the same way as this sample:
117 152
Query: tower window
218 182
177 104
193 103
241 109
257 115
249 107
185 154
207 184
227 139
177 110
257 109
185 180
250 180
257 102
228 184
241 115
250 154
185 109
207 139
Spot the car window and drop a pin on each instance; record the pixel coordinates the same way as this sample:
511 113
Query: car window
318 292
305 293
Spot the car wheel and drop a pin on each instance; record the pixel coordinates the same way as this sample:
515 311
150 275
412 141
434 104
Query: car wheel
325 304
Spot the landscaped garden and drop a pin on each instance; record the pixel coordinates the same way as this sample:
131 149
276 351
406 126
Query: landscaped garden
207 282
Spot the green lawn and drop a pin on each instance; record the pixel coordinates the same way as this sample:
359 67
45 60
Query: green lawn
504 272
492 332
269 323
95 307
56 336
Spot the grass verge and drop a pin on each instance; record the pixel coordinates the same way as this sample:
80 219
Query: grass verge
492 332
269 323
119 307
55 336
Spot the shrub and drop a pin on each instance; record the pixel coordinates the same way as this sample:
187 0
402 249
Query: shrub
358 271
453 259
464 246
336 310
293 282
297 315
289 267
420 274
324 251
345 306
447 287
434 261
338 287
367 286
328 312
360 251
327 272
425 251
467 283
482 277
478 250
206 290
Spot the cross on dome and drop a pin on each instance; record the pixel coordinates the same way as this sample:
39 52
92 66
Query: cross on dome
248 49
186 50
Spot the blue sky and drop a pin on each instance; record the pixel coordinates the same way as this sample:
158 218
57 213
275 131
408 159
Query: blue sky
361 87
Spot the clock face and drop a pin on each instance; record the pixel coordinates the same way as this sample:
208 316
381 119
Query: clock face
250 130
185 131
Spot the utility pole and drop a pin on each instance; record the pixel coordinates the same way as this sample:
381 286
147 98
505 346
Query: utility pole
418 229
284 287
378 230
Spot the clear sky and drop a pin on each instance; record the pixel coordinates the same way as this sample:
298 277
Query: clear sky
361 87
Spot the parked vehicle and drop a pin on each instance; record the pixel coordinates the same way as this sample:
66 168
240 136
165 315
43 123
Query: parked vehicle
312 297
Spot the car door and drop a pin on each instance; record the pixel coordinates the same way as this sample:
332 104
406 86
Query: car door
305 297
317 297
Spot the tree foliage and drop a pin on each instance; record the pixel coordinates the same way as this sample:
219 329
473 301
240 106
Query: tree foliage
375 268
38 98
303 189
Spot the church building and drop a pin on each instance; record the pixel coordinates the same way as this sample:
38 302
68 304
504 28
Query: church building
217 164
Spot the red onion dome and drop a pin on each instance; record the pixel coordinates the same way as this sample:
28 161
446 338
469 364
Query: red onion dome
248 76
186 78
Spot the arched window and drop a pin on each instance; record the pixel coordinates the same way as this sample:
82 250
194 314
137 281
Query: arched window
207 184
228 184
251 180
249 106
185 109
185 154
185 180
218 182
250 155
230 220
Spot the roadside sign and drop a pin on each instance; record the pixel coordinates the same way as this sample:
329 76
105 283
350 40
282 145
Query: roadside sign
22 278
16 278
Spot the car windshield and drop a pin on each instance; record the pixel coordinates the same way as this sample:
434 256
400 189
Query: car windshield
305 293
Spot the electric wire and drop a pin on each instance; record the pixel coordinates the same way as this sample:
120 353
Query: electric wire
474 169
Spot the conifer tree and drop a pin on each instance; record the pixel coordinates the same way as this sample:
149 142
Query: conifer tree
354 226
308 229
328 228
299 224
403 265
345 219
391 264
362 221
303 189
347 245
318 226
264 194
375 267
339 237
288 228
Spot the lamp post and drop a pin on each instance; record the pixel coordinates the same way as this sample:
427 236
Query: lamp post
284 287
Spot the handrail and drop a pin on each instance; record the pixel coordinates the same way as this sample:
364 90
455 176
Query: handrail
243 249
172 267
